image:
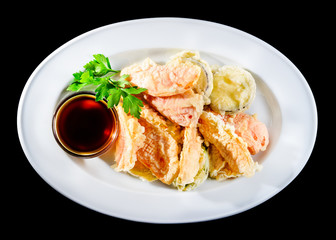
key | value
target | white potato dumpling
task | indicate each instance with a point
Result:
(234, 89)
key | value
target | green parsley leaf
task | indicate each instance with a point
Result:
(134, 90)
(87, 77)
(77, 75)
(100, 66)
(114, 97)
(132, 104)
(99, 72)
(76, 86)
(122, 82)
(102, 91)
(103, 61)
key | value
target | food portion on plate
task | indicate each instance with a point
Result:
(180, 122)
(234, 89)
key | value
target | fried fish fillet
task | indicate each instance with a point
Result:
(183, 109)
(163, 80)
(190, 157)
(218, 167)
(141, 171)
(130, 139)
(252, 131)
(231, 147)
(160, 150)
(204, 85)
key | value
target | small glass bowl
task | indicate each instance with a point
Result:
(66, 146)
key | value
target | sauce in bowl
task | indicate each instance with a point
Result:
(84, 127)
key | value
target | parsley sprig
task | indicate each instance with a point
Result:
(99, 72)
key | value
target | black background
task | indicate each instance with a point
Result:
(32, 32)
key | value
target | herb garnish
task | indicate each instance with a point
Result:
(99, 72)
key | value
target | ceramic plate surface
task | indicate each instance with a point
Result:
(284, 102)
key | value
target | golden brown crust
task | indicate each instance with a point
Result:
(190, 156)
(218, 167)
(182, 109)
(231, 147)
(130, 139)
(163, 80)
(160, 150)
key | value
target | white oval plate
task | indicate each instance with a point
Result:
(284, 102)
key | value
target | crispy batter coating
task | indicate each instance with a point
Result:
(231, 147)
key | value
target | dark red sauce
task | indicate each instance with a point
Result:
(84, 125)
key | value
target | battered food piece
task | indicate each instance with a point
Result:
(252, 131)
(160, 150)
(204, 84)
(231, 147)
(249, 128)
(163, 80)
(148, 147)
(141, 171)
(130, 139)
(219, 168)
(183, 109)
(190, 157)
(180, 141)
(234, 89)
(201, 175)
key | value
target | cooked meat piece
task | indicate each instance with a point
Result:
(131, 137)
(190, 158)
(160, 150)
(163, 80)
(231, 147)
(183, 109)
(219, 168)
(252, 131)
